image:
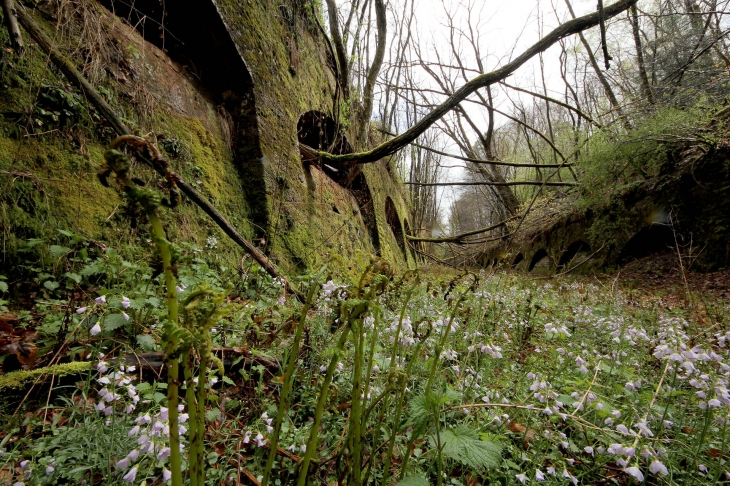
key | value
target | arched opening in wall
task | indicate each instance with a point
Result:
(540, 259)
(518, 259)
(572, 251)
(202, 45)
(652, 239)
(361, 192)
(391, 217)
(319, 131)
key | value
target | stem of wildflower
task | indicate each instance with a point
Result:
(288, 382)
(439, 457)
(312, 443)
(437, 353)
(708, 419)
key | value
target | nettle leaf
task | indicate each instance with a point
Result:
(413, 481)
(464, 445)
(212, 414)
(58, 251)
(73, 276)
(419, 410)
(146, 342)
(91, 269)
(115, 321)
(3, 286)
(228, 381)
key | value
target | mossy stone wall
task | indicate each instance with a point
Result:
(299, 215)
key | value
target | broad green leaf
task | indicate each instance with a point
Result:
(212, 414)
(146, 342)
(464, 445)
(51, 284)
(115, 321)
(3, 286)
(58, 251)
(73, 276)
(153, 301)
(91, 269)
(414, 481)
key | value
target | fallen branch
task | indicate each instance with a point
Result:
(458, 238)
(76, 78)
(492, 162)
(16, 40)
(392, 146)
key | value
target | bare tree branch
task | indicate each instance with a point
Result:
(391, 146)
(493, 162)
(372, 76)
(458, 238)
(487, 183)
(557, 102)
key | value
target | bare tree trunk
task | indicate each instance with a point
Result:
(367, 109)
(604, 82)
(646, 89)
(342, 61)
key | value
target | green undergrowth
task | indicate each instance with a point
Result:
(613, 164)
(416, 378)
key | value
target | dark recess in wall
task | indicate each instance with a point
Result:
(361, 192)
(195, 36)
(319, 131)
(651, 239)
(570, 253)
(541, 253)
(409, 243)
(517, 260)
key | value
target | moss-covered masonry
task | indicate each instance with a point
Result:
(689, 204)
(51, 141)
(313, 219)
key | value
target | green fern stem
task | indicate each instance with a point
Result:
(192, 413)
(172, 343)
(288, 382)
(197, 446)
(356, 410)
(321, 402)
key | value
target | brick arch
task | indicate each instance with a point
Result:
(317, 130)
(647, 241)
(537, 258)
(571, 252)
(518, 259)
